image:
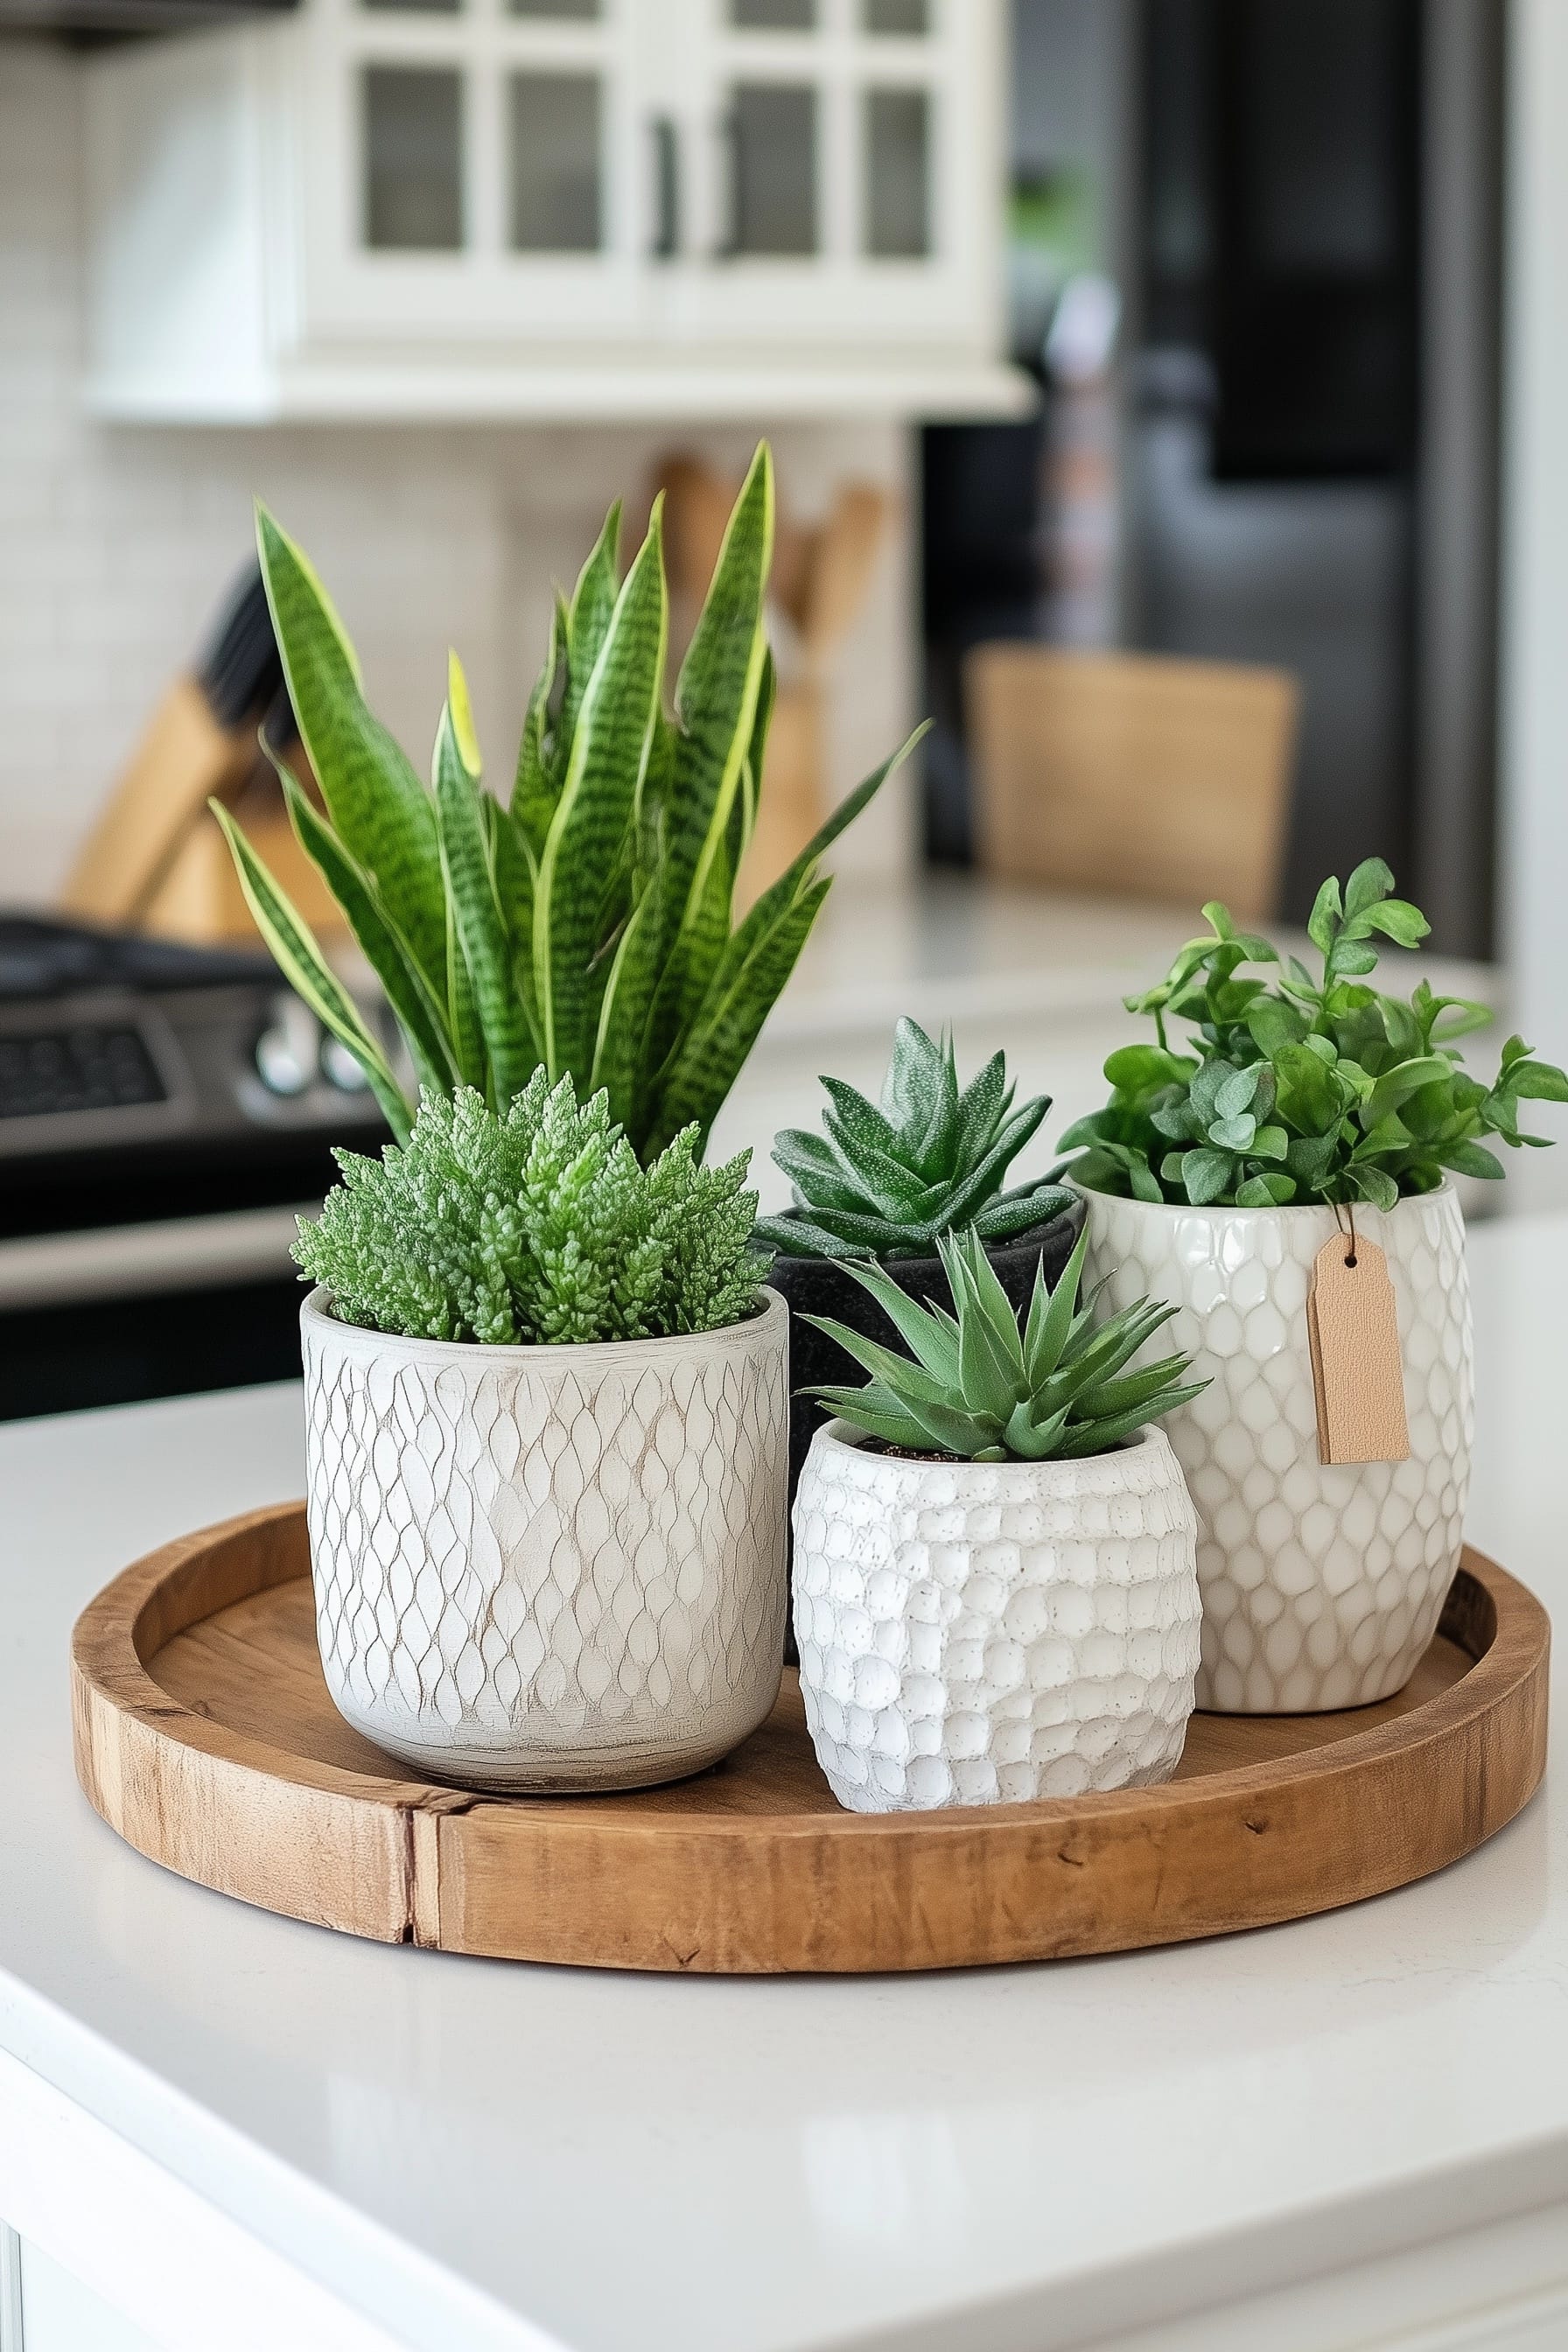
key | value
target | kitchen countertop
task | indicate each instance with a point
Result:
(485, 2155)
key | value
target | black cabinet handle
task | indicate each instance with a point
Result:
(666, 242)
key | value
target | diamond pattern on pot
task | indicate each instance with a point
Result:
(976, 1632)
(526, 1558)
(1322, 1586)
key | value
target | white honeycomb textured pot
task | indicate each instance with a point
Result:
(988, 1632)
(549, 1568)
(1322, 1586)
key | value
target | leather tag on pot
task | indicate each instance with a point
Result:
(1357, 1374)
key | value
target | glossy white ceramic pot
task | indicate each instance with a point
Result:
(549, 1568)
(1322, 1586)
(986, 1633)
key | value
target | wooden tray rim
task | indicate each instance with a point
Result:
(107, 1660)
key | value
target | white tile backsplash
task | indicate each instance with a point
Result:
(117, 544)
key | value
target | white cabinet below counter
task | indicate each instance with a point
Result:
(552, 208)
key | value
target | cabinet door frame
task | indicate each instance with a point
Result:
(842, 296)
(482, 292)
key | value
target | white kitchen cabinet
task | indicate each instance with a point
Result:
(552, 207)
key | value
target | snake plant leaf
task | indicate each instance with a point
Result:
(300, 959)
(742, 993)
(716, 698)
(598, 800)
(753, 968)
(422, 1020)
(589, 618)
(471, 892)
(463, 1013)
(377, 804)
(756, 758)
(533, 791)
(620, 1063)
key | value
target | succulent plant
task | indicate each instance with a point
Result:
(585, 926)
(533, 1224)
(978, 1387)
(1297, 1089)
(888, 1182)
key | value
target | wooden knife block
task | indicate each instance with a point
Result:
(157, 861)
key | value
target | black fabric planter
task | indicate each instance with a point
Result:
(815, 1286)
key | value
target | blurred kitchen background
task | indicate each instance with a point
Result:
(1167, 397)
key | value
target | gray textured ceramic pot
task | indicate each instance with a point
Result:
(549, 1568)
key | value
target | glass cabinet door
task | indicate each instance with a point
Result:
(471, 171)
(824, 146)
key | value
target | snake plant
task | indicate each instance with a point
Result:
(887, 1183)
(586, 927)
(978, 1387)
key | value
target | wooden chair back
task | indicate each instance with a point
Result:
(1138, 776)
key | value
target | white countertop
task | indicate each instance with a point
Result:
(485, 2156)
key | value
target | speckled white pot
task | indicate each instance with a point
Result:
(1322, 1587)
(986, 1633)
(549, 1568)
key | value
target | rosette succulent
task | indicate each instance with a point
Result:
(977, 1386)
(888, 1183)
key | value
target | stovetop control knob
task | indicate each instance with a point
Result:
(339, 1068)
(288, 1052)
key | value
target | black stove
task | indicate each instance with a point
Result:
(170, 1096)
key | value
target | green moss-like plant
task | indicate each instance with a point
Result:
(535, 1223)
(1300, 1090)
(587, 927)
(978, 1387)
(886, 1182)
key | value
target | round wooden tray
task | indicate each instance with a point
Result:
(205, 1736)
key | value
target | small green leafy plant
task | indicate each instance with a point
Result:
(587, 927)
(534, 1223)
(1304, 1089)
(978, 1387)
(887, 1183)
